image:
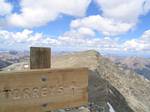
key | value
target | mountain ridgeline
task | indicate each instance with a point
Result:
(138, 64)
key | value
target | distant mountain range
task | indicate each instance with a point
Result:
(138, 64)
(10, 57)
(4, 64)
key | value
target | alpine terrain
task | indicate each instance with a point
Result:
(111, 89)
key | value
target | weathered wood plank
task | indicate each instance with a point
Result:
(43, 90)
(40, 57)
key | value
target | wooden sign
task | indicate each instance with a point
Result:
(40, 57)
(43, 90)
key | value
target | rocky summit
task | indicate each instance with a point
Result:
(111, 89)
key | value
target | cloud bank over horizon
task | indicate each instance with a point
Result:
(75, 39)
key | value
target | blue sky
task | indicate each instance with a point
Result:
(109, 26)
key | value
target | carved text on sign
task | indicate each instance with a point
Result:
(38, 92)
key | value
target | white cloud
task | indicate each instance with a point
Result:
(40, 13)
(5, 8)
(124, 10)
(147, 6)
(69, 39)
(82, 32)
(108, 27)
(26, 37)
(75, 39)
(146, 36)
(140, 44)
(118, 16)
(86, 31)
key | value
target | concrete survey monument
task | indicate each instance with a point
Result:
(42, 90)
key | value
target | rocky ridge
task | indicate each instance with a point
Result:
(137, 64)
